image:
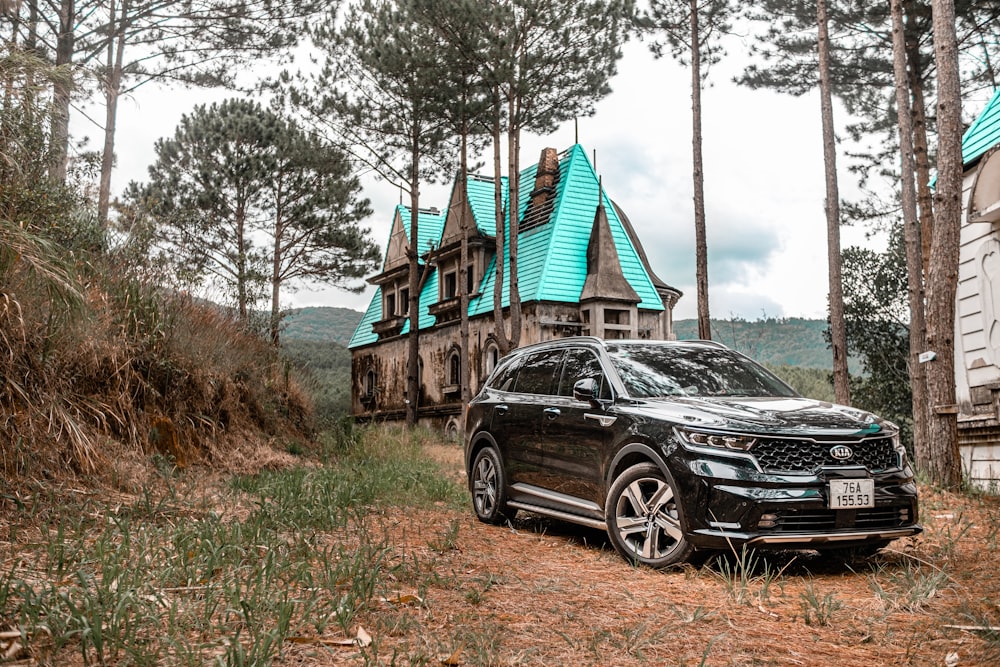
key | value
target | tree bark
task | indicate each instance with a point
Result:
(62, 88)
(413, 253)
(698, 173)
(499, 328)
(911, 230)
(465, 377)
(116, 56)
(279, 232)
(513, 211)
(940, 459)
(838, 330)
(921, 154)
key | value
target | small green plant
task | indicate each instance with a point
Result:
(746, 576)
(910, 587)
(448, 540)
(818, 610)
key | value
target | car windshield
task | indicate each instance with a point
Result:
(649, 371)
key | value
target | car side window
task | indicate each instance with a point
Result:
(504, 380)
(538, 373)
(580, 365)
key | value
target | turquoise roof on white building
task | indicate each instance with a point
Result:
(984, 134)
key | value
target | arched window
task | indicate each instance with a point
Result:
(454, 368)
(491, 356)
(370, 383)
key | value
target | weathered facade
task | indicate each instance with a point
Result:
(977, 340)
(581, 270)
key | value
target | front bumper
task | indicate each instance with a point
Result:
(729, 502)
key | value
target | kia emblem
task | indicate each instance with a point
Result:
(841, 452)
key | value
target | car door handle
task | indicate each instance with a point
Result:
(551, 413)
(501, 408)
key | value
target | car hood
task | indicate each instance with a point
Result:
(790, 415)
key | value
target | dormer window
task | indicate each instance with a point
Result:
(449, 285)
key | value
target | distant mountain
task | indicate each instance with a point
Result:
(776, 342)
(324, 324)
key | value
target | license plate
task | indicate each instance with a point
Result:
(852, 493)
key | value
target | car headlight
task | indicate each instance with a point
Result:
(740, 443)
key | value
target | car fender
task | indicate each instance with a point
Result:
(476, 442)
(633, 453)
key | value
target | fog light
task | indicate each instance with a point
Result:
(904, 514)
(767, 521)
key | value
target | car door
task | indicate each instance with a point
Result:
(575, 434)
(518, 418)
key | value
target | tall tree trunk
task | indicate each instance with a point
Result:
(465, 377)
(499, 328)
(838, 330)
(940, 458)
(242, 277)
(62, 88)
(413, 253)
(514, 211)
(700, 236)
(921, 154)
(911, 230)
(116, 56)
(279, 232)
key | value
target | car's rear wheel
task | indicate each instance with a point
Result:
(488, 485)
(645, 522)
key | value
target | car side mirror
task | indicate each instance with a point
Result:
(586, 390)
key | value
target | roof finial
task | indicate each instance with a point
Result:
(595, 159)
(576, 130)
(401, 194)
(600, 191)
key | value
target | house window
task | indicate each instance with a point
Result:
(404, 302)
(390, 305)
(449, 286)
(470, 279)
(491, 355)
(370, 383)
(454, 368)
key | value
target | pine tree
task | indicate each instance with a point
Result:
(380, 93)
(691, 29)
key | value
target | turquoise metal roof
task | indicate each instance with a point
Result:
(429, 227)
(552, 257)
(984, 134)
(482, 200)
(364, 335)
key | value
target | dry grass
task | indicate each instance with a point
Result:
(452, 591)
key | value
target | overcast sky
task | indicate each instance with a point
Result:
(764, 182)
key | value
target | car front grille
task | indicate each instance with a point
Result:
(788, 455)
(824, 520)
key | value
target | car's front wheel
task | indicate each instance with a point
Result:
(489, 487)
(643, 517)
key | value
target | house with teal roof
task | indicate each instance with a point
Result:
(581, 270)
(977, 343)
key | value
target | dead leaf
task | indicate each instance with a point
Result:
(455, 658)
(404, 599)
(361, 640)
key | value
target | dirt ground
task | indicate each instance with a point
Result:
(547, 593)
(456, 592)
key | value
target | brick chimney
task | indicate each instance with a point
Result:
(545, 176)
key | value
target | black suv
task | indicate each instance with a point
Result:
(673, 447)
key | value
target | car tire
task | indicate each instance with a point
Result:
(488, 485)
(645, 521)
